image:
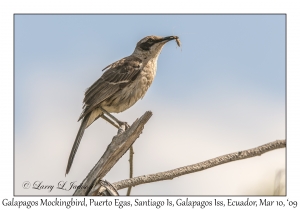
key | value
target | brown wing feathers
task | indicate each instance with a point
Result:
(113, 79)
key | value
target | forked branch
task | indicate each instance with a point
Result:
(93, 185)
(115, 150)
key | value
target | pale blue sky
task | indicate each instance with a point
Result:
(220, 53)
(228, 76)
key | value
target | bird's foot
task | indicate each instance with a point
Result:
(123, 126)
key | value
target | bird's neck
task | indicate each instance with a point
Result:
(146, 56)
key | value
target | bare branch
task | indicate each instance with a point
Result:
(130, 169)
(115, 150)
(167, 175)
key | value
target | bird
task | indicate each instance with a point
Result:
(121, 85)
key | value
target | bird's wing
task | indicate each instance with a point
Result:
(116, 77)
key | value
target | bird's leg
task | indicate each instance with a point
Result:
(121, 128)
(120, 123)
(110, 121)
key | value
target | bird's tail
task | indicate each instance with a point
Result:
(77, 141)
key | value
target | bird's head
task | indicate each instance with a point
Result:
(151, 46)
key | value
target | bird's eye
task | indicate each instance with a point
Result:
(150, 40)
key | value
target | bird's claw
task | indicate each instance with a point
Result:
(123, 126)
(126, 125)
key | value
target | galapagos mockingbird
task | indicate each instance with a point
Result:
(122, 84)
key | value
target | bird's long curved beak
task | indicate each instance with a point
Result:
(168, 38)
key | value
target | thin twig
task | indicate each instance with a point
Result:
(167, 175)
(130, 168)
